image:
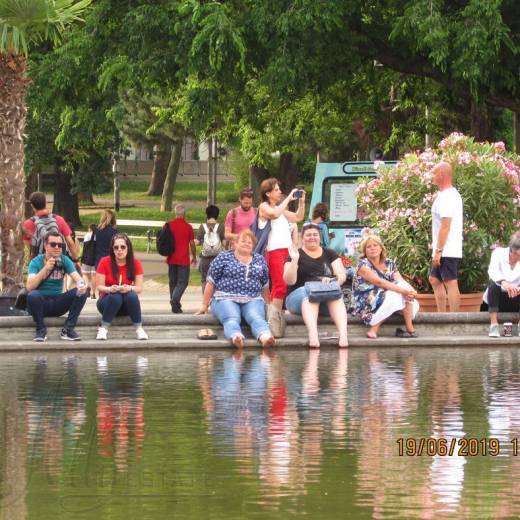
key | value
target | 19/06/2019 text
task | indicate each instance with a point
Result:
(463, 447)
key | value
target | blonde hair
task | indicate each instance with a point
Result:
(108, 218)
(362, 247)
(247, 233)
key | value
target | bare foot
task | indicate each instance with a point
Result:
(371, 335)
(267, 340)
(238, 341)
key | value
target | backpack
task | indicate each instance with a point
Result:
(43, 225)
(89, 250)
(261, 234)
(212, 244)
(165, 241)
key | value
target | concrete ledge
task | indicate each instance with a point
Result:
(179, 331)
(194, 344)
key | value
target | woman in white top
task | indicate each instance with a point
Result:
(274, 208)
(503, 291)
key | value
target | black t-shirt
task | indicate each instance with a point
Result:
(313, 269)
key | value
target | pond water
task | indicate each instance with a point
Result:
(289, 434)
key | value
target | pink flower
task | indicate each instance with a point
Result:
(499, 146)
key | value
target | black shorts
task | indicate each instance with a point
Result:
(447, 270)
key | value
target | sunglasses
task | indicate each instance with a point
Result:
(54, 244)
(122, 248)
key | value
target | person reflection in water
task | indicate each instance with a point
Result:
(272, 426)
(53, 425)
(119, 411)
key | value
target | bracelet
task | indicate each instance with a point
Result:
(75, 260)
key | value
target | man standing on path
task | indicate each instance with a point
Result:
(446, 239)
(43, 222)
(179, 261)
(240, 218)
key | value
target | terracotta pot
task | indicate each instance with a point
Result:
(468, 302)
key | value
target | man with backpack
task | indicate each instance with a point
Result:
(44, 222)
(179, 260)
(211, 236)
(240, 218)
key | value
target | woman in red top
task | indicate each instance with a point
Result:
(119, 280)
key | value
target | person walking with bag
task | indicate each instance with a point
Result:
(273, 211)
(211, 236)
(303, 269)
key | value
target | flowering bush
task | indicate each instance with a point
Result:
(398, 203)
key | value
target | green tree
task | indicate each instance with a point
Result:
(20, 25)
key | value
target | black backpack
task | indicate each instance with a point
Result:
(165, 241)
(89, 251)
(43, 225)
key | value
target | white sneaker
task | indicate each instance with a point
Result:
(102, 333)
(140, 333)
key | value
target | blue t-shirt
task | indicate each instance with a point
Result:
(53, 285)
(233, 277)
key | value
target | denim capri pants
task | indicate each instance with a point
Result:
(294, 301)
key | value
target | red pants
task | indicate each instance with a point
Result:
(276, 262)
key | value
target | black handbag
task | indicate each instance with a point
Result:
(319, 292)
(21, 300)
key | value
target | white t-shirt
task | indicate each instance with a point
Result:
(280, 235)
(500, 269)
(448, 204)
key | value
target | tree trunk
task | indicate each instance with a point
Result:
(211, 198)
(171, 176)
(65, 203)
(161, 160)
(516, 131)
(257, 175)
(13, 87)
(288, 171)
(480, 121)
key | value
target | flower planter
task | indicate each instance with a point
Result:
(468, 302)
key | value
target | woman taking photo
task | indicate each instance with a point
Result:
(314, 263)
(236, 286)
(119, 280)
(378, 290)
(274, 209)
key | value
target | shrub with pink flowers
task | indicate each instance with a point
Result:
(398, 204)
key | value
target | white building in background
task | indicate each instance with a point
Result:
(194, 162)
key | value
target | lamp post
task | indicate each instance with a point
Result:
(117, 183)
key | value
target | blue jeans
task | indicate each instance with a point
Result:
(40, 306)
(294, 301)
(230, 314)
(117, 304)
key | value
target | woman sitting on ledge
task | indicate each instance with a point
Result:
(309, 264)
(378, 290)
(237, 285)
(503, 291)
(119, 280)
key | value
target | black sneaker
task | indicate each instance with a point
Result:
(69, 335)
(40, 335)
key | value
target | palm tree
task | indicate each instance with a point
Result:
(22, 22)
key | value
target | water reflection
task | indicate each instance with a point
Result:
(258, 434)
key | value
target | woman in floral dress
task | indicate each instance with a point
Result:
(378, 290)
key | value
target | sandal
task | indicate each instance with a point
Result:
(400, 333)
(206, 334)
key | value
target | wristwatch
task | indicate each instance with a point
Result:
(438, 250)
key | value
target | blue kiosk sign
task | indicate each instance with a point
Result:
(335, 185)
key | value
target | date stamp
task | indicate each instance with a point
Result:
(463, 447)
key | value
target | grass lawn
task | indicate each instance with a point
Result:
(184, 191)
